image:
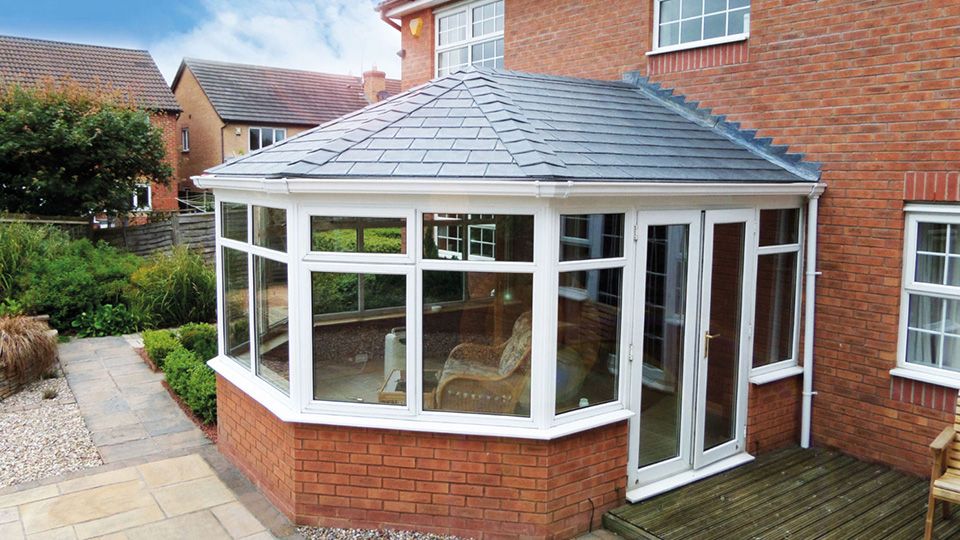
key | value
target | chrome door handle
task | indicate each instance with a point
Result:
(707, 336)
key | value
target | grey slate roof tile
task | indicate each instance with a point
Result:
(481, 123)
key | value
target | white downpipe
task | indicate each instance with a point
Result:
(808, 317)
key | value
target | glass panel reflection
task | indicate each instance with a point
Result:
(271, 314)
(775, 308)
(270, 228)
(591, 236)
(233, 221)
(358, 235)
(478, 237)
(236, 307)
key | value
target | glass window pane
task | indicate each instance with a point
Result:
(735, 22)
(925, 313)
(236, 307)
(691, 8)
(954, 239)
(714, 26)
(779, 227)
(451, 61)
(358, 235)
(669, 11)
(775, 308)
(359, 337)
(932, 237)
(953, 272)
(271, 316)
(478, 347)
(491, 237)
(254, 139)
(266, 137)
(669, 34)
(930, 269)
(739, 3)
(713, 6)
(591, 236)
(951, 353)
(270, 228)
(588, 339)
(452, 28)
(922, 348)
(279, 135)
(690, 30)
(233, 221)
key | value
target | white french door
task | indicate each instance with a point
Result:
(689, 380)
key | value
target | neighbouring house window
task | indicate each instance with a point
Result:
(471, 34)
(185, 139)
(142, 197)
(589, 310)
(930, 314)
(262, 137)
(778, 289)
(478, 237)
(690, 22)
(255, 326)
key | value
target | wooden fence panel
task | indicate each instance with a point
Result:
(196, 231)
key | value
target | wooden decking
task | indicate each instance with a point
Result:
(793, 493)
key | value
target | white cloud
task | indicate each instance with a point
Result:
(333, 36)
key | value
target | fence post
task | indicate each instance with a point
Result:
(175, 237)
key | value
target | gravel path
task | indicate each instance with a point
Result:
(43, 437)
(321, 533)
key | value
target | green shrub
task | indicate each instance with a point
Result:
(80, 278)
(20, 244)
(201, 394)
(159, 344)
(174, 288)
(200, 339)
(106, 320)
(177, 367)
(10, 307)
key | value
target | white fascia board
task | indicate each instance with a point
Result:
(504, 187)
(412, 7)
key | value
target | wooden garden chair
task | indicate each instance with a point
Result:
(945, 476)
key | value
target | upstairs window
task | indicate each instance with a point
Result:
(185, 139)
(683, 24)
(262, 137)
(471, 34)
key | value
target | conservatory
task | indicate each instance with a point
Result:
(502, 295)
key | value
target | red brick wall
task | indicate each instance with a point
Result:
(481, 487)
(417, 64)
(164, 197)
(860, 87)
(773, 415)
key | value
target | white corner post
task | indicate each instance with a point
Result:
(813, 201)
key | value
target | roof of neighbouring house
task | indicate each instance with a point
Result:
(29, 61)
(248, 93)
(491, 124)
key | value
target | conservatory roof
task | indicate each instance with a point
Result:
(492, 124)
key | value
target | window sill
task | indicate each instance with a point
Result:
(280, 406)
(699, 44)
(946, 381)
(776, 375)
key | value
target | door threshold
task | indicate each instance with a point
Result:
(686, 477)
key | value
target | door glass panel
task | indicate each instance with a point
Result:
(723, 349)
(663, 338)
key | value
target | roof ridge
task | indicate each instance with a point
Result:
(518, 135)
(192, 59)
(72, 43)
(763, 147)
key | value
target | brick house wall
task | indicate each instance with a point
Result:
(857, 86)
(472, 486)
(163, 198)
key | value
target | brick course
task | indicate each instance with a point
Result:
(481, 487)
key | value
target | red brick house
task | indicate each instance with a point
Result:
(764, 261)
(28, 61)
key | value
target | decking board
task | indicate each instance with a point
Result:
(793, 493)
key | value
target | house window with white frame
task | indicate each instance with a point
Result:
(142, 197)
(778, 291)
(471, 34)
(689, 23)
(930, 310)
(262, 137)
(185, 139)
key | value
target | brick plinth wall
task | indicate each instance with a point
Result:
(473, 486)
(773, 415)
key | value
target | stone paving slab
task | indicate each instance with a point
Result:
(125, 407)
(180, 497)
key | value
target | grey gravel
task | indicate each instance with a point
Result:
(323, 533)
(43, 437)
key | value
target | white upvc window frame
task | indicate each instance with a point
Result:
(136, 204)
(185, 140)
(276, 130)
(466, 7)
(730, 38)
(789, 366)
(260, 388)
(914, 215)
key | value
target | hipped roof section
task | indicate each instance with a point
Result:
(503, 125)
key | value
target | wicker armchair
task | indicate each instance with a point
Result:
(487, 379)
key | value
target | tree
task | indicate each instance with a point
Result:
(73, 152)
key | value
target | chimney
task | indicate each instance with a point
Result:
(374, 84)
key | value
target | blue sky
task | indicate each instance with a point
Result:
(338, 36)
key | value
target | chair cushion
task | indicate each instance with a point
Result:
(517, 346)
